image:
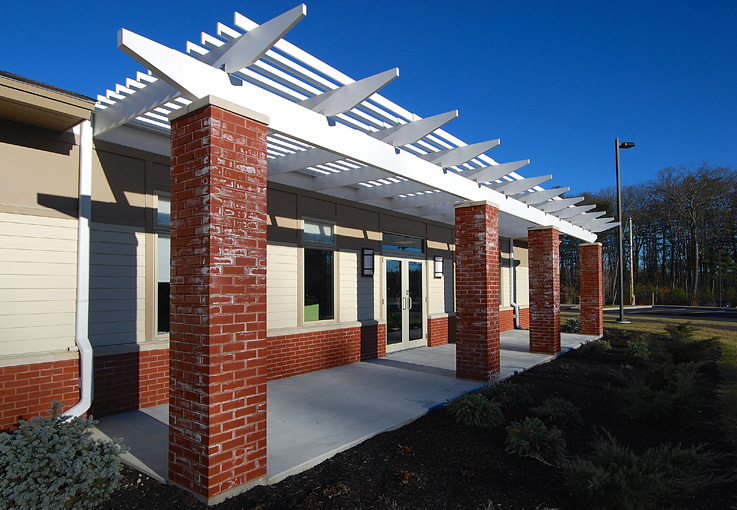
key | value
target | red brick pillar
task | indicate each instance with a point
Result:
(544, 255)
(592, 290)
(477, 290)
(217, 357)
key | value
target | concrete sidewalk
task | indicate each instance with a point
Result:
(311, 417)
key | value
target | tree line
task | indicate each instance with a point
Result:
(684, 239)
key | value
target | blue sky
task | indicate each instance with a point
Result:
(556, 81)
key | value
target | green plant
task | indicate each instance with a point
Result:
(558, 411)
(507, 394)
(476, 410)
(668, 391)
(596, 346)
(638, 349)
(531, 438)
(54, 463)
(571, 326)
(613, 477)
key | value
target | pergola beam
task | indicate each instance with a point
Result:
(518, 186)
(348, 96)
(403, 134)
(459, 155)
(572, 212)
(494, 172)
(558, 205)
(538, 197)
(251, 46)
(300, 160)
(347, 178)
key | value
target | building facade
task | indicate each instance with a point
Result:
(172, 243)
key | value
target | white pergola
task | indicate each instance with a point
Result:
(333, 135)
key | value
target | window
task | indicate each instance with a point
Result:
(319, 271)
(162, 263)
(402, 243)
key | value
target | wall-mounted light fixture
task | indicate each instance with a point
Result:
(367, 262)
(438, 267)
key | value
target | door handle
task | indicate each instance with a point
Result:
(409, 301)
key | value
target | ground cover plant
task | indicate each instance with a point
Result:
(601, 457)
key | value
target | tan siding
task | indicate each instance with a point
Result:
(37, 283)
(281, 286)
(435, 289)
(523, 283)
(349, 285)
(117, 285)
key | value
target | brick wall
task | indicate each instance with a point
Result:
(477, 291)
(544, 276)
(441, 330)
(373, 341)
(506, 319)
(291, 355)
(130, 381)
(218, 347)
(592, 290)
(28, 390)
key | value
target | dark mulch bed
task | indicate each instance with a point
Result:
(435, 463)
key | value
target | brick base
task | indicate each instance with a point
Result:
(300, 353)
(131, 381)
(441, 331)
(28, 390)
(373, 341)
(506, 319)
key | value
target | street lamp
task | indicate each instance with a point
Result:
(617, 146)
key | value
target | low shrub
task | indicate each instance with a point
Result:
(613, 477)
(596, 346)
(507, 394)
(476, 410)
(55, 463)
(532, 438)
(667, 391)
(638, 349)
(571, 326)
(558, 411)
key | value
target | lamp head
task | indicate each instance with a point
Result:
(626, 145)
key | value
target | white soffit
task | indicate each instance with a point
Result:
(356, 144)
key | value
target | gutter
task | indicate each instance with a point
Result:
(81, 336)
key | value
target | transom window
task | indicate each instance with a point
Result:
(402, 243)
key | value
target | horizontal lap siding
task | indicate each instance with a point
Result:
(281, 286)
(117, 285)
(38, 257)
(348, 285)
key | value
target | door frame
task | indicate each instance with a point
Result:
(405, 259)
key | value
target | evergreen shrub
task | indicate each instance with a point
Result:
(54, 463)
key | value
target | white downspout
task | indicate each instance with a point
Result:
(514, 284)
(83, 272)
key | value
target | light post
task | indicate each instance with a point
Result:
(617, 146)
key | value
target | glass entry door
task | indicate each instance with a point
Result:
(405, 304)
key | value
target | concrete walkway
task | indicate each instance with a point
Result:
(312, 417)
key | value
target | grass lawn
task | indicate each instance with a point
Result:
(704, 329)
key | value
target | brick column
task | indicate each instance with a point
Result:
(544, 254)
(592, 290)
(218, 358)
(477, 290)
